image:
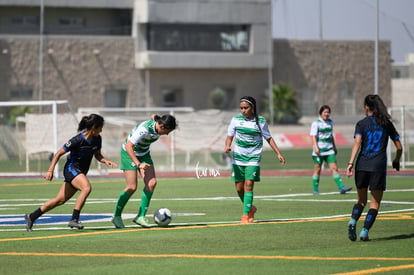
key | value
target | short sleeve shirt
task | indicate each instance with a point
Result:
(373, 152)
(248, 139)
(142, 136)
(81, 151)
(323, 131)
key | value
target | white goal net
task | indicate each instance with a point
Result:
(31, 131)
(403, 118)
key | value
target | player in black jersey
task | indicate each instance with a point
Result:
(371, 140)
(82, 148)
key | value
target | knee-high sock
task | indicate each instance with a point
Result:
(315, 183)
(370, 218)
(338, 180)
(357, 211)
(145, 202)
(36, 214)
(247, 202)
(122, 201)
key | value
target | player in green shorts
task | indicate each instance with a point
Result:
(324, 150)
(248, 130)
(136, 160)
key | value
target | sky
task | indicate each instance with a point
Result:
(347, 20)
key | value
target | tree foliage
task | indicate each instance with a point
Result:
(285, 106)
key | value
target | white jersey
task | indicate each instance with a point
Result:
(323, 130)
(142, 136)
(248, 139)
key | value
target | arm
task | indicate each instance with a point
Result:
(398, 154)
(55, 159)
(100, 158)
(334, 145)
(273, 145)
(315, 145)
(355, 149)
(129, 147)
(227, 146)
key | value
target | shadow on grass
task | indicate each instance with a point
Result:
(397, 237)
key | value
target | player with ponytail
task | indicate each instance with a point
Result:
(136, 160)
(248, 130)
(82, 147)
(371, 140)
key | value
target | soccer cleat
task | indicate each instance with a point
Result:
(352, 231)
(117, 221)
(75, 224)
(29, 222)
(344, 189)
(363, 236)
(244, 219)
(315, 192)
(252, 211)
(141, 221)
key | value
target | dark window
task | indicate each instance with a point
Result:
(197, 37)
(21, 92)
(115, 97)
(171, 96)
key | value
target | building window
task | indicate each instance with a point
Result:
(71, 21)
(25, 20)
(21, 92)
(198, 37)
(115, 97)
(309, 106)
(346, 98)
(171, 96)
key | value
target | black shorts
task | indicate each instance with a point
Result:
(70, 172)
(373, 180)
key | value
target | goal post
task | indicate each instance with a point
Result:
(42, 129)
(403, 119)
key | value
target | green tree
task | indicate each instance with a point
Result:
(285, 105)
(14, 112)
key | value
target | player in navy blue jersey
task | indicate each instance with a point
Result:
(371, 140)
(82, 147)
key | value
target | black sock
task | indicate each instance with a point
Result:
(370, 218)
(357, 211)
(75, 215)
(35, 214)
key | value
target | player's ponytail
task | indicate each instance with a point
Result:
(378, 108)
(91, 121)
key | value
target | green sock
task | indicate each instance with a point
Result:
(315, 183)
(122, 201)
(145, 202)
(338, 180)
(247, 202)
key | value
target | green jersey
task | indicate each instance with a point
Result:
(248, 139)
(323, 130)
(142, 136)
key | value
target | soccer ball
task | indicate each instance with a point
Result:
(162, 216)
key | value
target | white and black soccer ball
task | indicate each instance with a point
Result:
(162, 216)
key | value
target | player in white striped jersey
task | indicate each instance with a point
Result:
(324, 150)
(136, 160)
(248, 130)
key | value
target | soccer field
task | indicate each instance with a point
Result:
(294, 233)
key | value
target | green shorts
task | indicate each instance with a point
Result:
(127, 164)
(321, 159)
(242, 173)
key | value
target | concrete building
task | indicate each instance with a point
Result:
(403, 82)
(202, 54)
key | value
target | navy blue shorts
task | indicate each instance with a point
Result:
(373, 180)
(70, 172)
